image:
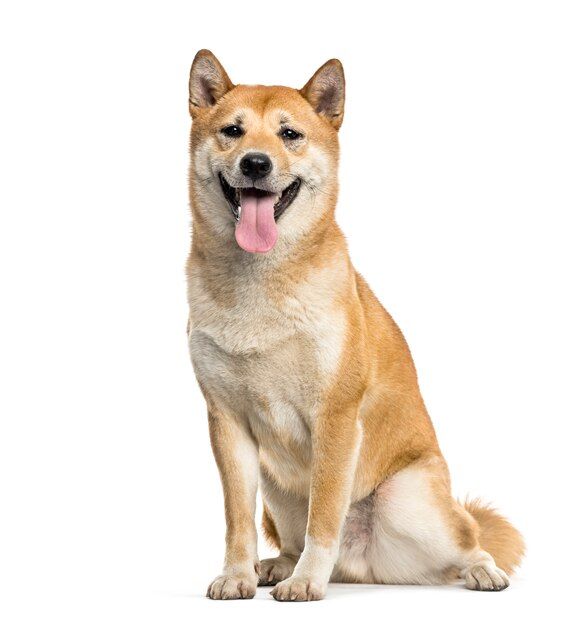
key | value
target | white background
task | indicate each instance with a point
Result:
(460, 199)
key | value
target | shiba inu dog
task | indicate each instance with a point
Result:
(311, 390)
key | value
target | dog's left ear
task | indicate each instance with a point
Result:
(208, 81)
(326, 92)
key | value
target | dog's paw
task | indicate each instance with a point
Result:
(232, 588)
(486, 577)
(295, 589)
(272, 571)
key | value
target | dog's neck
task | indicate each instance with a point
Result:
(219, 254)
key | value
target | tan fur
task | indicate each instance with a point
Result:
(269, 528)
(306, 375)
(497, 535)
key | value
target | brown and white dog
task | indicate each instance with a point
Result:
(310, 386)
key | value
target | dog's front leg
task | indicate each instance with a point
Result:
(237, 459)
(336, 440)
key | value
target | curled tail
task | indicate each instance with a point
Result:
(497, 535)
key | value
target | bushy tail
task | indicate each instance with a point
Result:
(497, 536)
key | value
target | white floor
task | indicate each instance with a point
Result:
(527, 600)
(344, 604)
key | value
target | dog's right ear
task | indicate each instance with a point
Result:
(208, 81)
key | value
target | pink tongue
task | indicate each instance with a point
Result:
(256, 231)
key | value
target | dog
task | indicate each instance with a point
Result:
(310, 386)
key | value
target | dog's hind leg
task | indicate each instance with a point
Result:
(418, 534)
(284, 523)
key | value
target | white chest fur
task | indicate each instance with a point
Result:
(268, 359)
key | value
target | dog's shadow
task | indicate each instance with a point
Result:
(336, 591)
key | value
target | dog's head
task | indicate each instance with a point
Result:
(264, 159)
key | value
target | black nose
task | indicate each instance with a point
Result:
(255, 165)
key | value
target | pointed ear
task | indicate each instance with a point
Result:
(208, 81)
(326, 92)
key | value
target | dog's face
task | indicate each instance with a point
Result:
(264, 159)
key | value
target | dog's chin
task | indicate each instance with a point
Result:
(234, 196)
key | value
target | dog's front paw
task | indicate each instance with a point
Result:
(232, 588)
(297, 589)
(272, 571)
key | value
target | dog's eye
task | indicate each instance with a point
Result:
(232, 131)
(289, 133)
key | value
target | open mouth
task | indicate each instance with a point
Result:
(235, 197)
